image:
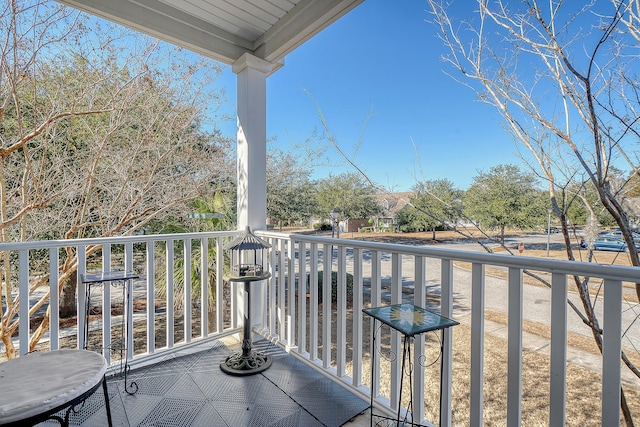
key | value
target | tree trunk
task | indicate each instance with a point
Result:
(68, 306)
(42, 328)
(626, 412)
(10, 350)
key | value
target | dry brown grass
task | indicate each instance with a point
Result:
(583, 394)
(583, 390)
(583, 385)
(574, 340)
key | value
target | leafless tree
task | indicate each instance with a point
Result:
(102, 132)
(563, 76)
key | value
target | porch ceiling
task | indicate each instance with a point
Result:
(224, 29)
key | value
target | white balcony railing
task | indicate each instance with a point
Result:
(334, 337)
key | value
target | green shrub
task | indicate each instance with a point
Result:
(322, 226)
(334, 286)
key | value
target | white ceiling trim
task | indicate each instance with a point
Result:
(223, 29)
(305, 20)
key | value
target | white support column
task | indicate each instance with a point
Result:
(252, 141)
(252, 161)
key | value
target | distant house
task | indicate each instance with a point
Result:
(391, 204)
(354, 225)
(632, 206)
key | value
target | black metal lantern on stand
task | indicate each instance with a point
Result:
(335, 225)
(248, 254)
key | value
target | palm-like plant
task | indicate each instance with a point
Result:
(224, 219)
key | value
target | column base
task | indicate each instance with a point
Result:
(252, 363)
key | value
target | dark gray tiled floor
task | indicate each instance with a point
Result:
(191, 390)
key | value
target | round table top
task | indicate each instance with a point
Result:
(39, 382)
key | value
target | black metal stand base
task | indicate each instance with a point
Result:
(248, 361)
(133, 384)
(241, 364)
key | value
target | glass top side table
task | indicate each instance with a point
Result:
(410, 320)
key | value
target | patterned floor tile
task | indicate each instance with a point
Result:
(188, 389)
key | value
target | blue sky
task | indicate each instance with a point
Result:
(383, 60)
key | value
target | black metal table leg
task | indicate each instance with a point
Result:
(104, 279)
(106, 401)
(125, 325)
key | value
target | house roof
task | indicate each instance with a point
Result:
(393, 202)
(224, 29)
